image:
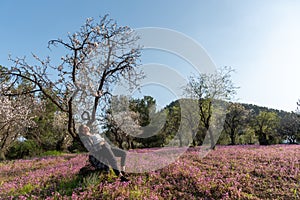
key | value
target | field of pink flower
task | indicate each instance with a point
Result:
(229, 172)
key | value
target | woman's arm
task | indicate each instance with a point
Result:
(97, 139)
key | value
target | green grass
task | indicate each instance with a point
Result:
(51, 153)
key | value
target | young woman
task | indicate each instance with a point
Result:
(99, 147)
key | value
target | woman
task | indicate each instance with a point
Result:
(97, 145)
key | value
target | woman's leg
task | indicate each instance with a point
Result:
(110, 156)
(120, 153)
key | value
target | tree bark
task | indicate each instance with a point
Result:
(212, 140)
(2, 155)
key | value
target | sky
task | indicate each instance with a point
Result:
(259, 39)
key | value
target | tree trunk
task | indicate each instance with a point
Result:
(194, 143)
(120, 142)
(263, 139)
(2, 155)
(180, 141)
(212, 140)
(232, 138)
(77, 145)
(193, 138)
(60, 145)
(132, 145)
(129, 142)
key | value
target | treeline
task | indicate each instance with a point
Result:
(136, 123)
(243, 124)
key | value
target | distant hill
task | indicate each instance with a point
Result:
(254, 108)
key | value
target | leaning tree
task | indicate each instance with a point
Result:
(97, 56)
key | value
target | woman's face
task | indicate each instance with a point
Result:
(85, 129)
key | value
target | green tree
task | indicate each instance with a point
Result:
(172, 124)
(290, 128)
(146, 107)
(235, 121)
(51, 131)
(265, 126)
(151, 121)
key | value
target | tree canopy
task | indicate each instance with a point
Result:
(98, 55)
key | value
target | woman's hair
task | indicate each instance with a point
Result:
(81, 127)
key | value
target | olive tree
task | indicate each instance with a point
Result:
(235, 121)
(290, 128)
(265, 125)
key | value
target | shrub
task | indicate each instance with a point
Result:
(23, 149)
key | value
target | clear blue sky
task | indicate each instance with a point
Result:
(259, 39)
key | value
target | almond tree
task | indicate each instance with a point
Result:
(97, 57)
(190, 121)
(207, 89)
(122, 124)
(16, 116)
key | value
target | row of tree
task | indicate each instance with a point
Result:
(265, 126)
(243, 124)
(136, 123)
